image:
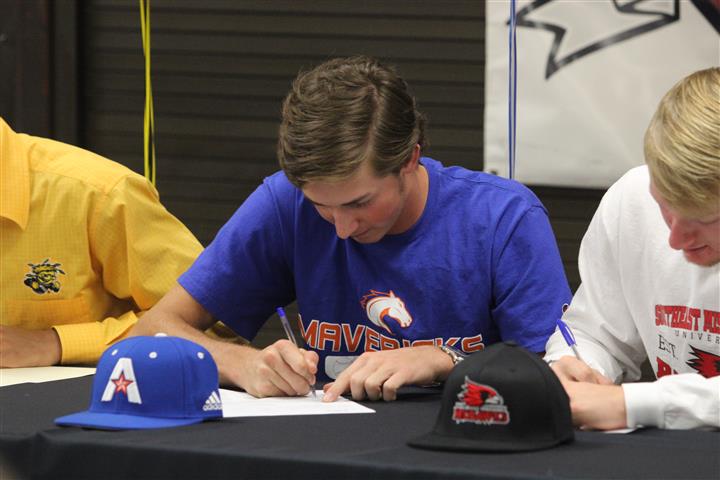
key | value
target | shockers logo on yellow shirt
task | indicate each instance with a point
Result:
(43, 277)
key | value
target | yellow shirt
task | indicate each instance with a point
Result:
(85, 244)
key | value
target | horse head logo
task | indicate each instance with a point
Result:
(382, 307)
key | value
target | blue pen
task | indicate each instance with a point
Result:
(291, 336)
(568, 335)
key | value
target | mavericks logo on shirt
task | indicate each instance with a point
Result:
(383, 308)
(43, 277)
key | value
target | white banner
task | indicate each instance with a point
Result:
(590, 75)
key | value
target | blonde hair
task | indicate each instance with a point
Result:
(682, 144)
(342, 113)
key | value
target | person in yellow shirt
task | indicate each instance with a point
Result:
(86, 247)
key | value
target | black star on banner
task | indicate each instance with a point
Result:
(658, 19)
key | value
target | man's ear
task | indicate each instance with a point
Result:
(413, 162)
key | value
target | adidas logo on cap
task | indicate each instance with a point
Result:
(213, 402)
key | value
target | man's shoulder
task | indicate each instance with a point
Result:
(629, 191)
(277, 190)
(61, 160)
(279, 184)
(483, 187)
(635, 178)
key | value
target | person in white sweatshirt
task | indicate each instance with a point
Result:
(650, 271)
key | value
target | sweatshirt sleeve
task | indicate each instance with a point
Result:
(599, 316)
(681, 401)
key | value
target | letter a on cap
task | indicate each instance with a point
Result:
(122, 379)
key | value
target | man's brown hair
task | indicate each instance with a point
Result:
(342, 113)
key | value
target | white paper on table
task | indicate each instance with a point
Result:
(11, 376)
(241, 404)
(621, 430)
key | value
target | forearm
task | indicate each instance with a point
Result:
(230, 358)
(606, 337)
(28, 348)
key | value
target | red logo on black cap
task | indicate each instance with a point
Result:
(480, 404)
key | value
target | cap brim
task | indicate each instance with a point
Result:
(114, 421)
(434, 441)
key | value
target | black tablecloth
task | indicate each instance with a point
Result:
(361, 446)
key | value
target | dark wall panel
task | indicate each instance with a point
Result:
(39, 67)
(222, 67)
(25, 64)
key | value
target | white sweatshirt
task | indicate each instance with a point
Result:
(641, 299)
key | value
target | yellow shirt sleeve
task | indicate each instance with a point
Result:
(83, 343)
(140, 249)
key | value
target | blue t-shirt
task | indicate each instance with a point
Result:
(480, 265)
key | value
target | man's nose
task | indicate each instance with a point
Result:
(682, 233)
(345, 224)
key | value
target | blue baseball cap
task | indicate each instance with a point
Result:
(151, 382)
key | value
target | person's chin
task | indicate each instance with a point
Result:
(703, 256)
(367, 237)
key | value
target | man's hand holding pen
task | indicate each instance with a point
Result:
(574, 369)
(571, 369)
(281, 369)
(595, 402)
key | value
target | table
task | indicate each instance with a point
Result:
(358, 446)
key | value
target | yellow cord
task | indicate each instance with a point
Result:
(149, 119)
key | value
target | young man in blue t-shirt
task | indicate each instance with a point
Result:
(398, 264)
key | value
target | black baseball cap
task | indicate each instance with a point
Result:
(501, 399)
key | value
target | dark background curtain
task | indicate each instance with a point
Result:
(74, 71)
